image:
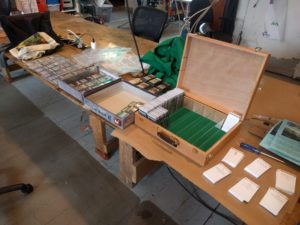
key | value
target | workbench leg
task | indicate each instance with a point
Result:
(4, 67)
(6, 74)
(103, 147)
(133, 166)
(126, 157)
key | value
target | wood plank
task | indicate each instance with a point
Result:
(133, 170)
(104, 147)
(225, 77)
(143, 167)
(6, 74)
(250, 213)
(275, 98)
(126, 159)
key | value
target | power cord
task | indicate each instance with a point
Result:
(133, 36)
(200, 200)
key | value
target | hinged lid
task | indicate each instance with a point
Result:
(221, 75)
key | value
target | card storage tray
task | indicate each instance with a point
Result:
(194, 128)
(218, 78)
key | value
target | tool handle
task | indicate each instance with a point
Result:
(249, 148)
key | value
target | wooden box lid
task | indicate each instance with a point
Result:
(221, 75)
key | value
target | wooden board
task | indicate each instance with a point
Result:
(133, 169)
(286, 104)
(277, 98)
(250, 213)
(103, 35)
(221, 75)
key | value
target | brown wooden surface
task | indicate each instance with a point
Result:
(103, 35)
(278, 98)
(250, 213)
(223, 76)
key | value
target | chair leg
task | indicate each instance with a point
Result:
(24, 188)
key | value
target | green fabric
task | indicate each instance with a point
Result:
(194, 128)
(165, 60)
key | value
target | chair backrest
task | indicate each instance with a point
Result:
(149, 23)
(5, 7)
(87, 7)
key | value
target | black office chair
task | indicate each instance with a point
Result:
(5, 9)
(149, 23)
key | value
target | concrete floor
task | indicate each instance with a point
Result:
(159, 187)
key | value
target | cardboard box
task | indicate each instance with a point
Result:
(86, 81)
(109, 102)
(218, 79)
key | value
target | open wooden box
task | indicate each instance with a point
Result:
(108, 102)
(218, 78)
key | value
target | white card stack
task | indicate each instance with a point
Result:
(244, 190)
(172, 100)
(273, 201)
(233, 157)
(285, 181)
(257, 167)
(217, 173)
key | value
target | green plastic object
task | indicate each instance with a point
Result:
(194, 128)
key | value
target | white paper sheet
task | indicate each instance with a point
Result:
(233, 157)
(257, 167)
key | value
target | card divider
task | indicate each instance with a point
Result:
(181, 121)
(205, 135)
(187, 133)
(178, 114)
(176, 126)
(212, 140)
(194, 128)
(206, 126)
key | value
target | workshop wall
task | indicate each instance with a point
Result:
(284, 45)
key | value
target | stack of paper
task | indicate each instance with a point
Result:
(285, 181)
(233, 157)
(217, 173)
(273, 201)
(244, 190)
(257, 167)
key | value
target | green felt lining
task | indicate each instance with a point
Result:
(194, 128)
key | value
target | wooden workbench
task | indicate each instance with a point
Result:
(103, 36)
(274, 98)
